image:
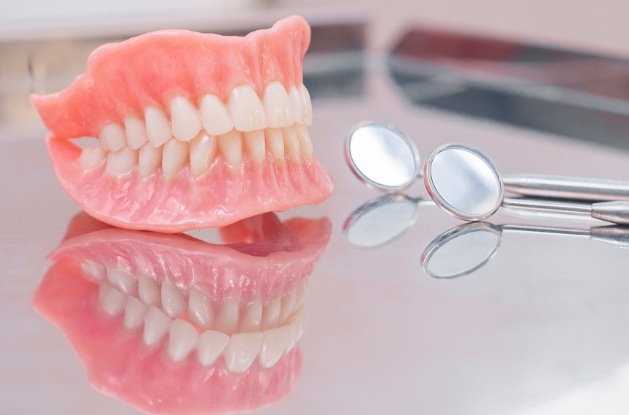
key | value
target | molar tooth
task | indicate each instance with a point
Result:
(182, 338)
(173, 300)
(298, 104)
(121, 161)
(246, 110)
(92, 157)
(275, 142)
(307, 105)
(185, 121)
(174, 157)
(157, 126)
(112, 137)
(122, 280)
(111, 300)
(254, 144)
(149, 159)
(242, 350)
(155, 326)
(211, 345)
(231, 148)
(305, 143)
(200, 309)
(291, 143)
(214, 116)
(202, 153)
(227, 316)
(134, 313)
(274, 345)
(136, 132)
(271, 314)
(148, 291)
(251, 319)
(277, 105)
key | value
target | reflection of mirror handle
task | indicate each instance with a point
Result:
(612, 235)
(614, 212)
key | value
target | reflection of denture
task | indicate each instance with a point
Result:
(194, 129)
(169, 323)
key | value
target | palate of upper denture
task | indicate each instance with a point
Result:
(192, 130)
(172, 324)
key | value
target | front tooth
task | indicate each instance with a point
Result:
(157, 126)
(288, 305)
(274, 345)
(291, 143)
(211, 345)
(92, 157)
(134, 313)
(174, 157)
(305, 143)
(214, 116)
(202, 153)
(251, 319)
(136, 132)
(121, 161)
(242, 350)
(271, 314)
(149, 159)
(111, 300)
(122, 280)
(112, 137)
(200, 309)
(173, 300)
(185, 121)
(298, 104)
(301, 293)
(277, 105)
(227, 316)
(254, 144)
(230, 145)
(148, 291)
(181, 340)
(307, 105)
(246, 110)
(156, 325)
(275, 142)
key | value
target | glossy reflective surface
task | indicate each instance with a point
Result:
(540, 329)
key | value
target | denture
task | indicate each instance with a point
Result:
(172, 324)
(193, 130)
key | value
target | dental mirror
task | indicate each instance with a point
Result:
(382, 157)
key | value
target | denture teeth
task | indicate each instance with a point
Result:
(112, 301)
(288, 305)
(174, 157)
(94, 270)
(210, 346)
(149, 291)
(274, 141)
(305, 143)
(182, 339)
(271, 313)
(275, 343)
(254, 144)
(228, 315)
(136, 132)
(134, 313)
(291, 143)
(173, 301)
(157, 126)
(298, 104)
(112, 137)
(242, 350)
(185, 120)
(93, 157)
(122, 280)
(121, 161)
(200, 309)
(230, 145)
(202, 153)
(307, 103)
(277, 105)
(214, 116)
(246, 110)
(251, 319)
(156, 325)
(149, 159)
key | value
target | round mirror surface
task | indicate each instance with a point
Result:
(464, 182)
(380, 221)
(461, 250)
(382, 156)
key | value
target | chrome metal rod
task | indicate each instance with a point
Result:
(566, 187)
(614, 212)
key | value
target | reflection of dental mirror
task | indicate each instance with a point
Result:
(382, 157)
(465, 183)
(462, 250)
(382, 220)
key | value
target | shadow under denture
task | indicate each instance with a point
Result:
(149, 333)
